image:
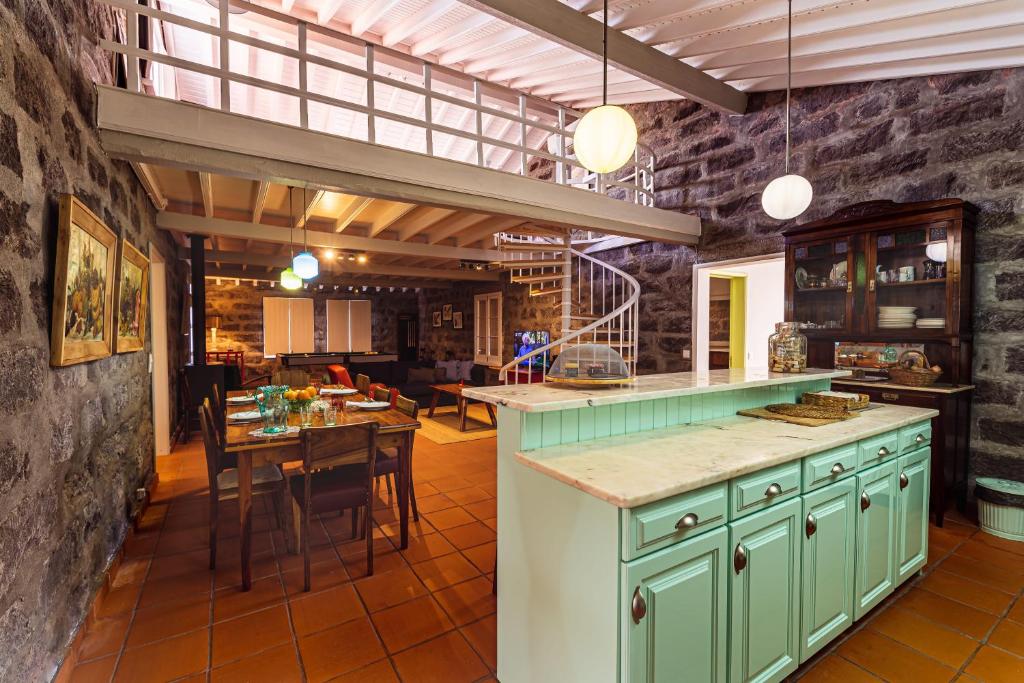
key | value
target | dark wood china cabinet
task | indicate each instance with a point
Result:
(893, 276)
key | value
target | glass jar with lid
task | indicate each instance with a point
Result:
(787, 349)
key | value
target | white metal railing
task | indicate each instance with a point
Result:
(531, 128)
(602, 296)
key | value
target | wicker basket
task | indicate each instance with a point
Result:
(909, 373)
(803, 410)
(825, 401)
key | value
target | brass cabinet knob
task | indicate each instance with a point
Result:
(883, 451)
(739, 558)
(919, 439)
(810, 525)
(865, 501)
(904, 480)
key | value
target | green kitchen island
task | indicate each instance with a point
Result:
(649, 534)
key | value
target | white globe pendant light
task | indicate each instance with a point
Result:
(789, 195)
(605, 137)
(304, 263)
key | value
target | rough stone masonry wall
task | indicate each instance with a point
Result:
(76, 442)
(958, 135)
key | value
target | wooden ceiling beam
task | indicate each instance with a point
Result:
(423, 218)
(206, 189)
(344, 280)
(388, 215)
(260, 202)
(454, 226)
(370, 15)
(151, 184)
(351, 209)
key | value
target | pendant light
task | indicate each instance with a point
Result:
(789, 195)
(305, 264)
(605, 137)
(289, 280)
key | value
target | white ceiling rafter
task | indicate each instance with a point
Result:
(415, 22)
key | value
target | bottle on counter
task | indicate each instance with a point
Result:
(787, 349)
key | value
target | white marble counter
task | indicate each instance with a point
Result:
(535, 398)
(934, 388)
(632, 470)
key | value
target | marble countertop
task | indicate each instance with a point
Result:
(536, 398)
(636, 469)
(935, 388)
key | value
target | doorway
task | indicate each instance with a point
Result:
(408, 338)
(158, 355)
(736, 304)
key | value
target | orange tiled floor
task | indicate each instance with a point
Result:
(428, 614)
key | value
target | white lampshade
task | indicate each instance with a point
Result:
(289, 280)
(305, 265)
(787, 197)
(605, 139)
(936, 252)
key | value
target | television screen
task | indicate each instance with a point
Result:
(525, 341)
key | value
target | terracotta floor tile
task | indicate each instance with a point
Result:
(1006, 579)
(444, 571)
(427, 547)
(450, 483)
(229, 573)
(447, 659)
(1017, 611)
(956, 615)
(339, 650)
(925, 636)
(172, 542)
(471, 494)
(1009, 635)
(891, 660)
(468, 601)
(291, 561)
(423, 527)
(119, 600)
(446, 519)
(990, 555)
(155, 592)
(381, 545)
(425, 489)
(993, 665)
(493, 523)
(482, 556)
(250, 634)
(322, 576)
(969, 592)
(388, 589)
(835, 669)
(279, 664)
(165, 660)
(378, 672)
(316, 612)
(141, 545)
(387, 561)
(169, 619)
(434, 503)
(96, 671)
(484, 509)
(104, 637)
(469, 535)
(234, 602)
(411, 623)
(130, 571)
(483, 636)
(1015, 547)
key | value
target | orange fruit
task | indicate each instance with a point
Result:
(290, 395)
(311, 390)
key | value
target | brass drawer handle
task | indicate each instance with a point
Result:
(739, 558)
(639, 606)
(904, 480)
(837, 469)
(687, 521)
(811, 525)
(865, 501)
(773, 490)
(919, 439)
(882, 452)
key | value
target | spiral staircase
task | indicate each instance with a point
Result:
(595, 302)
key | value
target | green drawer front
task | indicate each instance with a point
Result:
(828, 467)
(754, 491)
(915, 436)
(657, 525)
(877, 449)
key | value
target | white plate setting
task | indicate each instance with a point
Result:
(368, 405)
(340, 391)
(239, 400)
(245, 416)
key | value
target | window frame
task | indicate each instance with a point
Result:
(483, 353)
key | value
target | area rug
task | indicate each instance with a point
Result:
(444, 426)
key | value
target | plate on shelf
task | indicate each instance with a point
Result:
(800, 275)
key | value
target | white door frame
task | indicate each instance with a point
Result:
(698, 352)
(158, 357)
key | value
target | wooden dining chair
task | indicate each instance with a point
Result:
(338, 466)
(266, 479)
(387, 458)
(363, 385)
(219, 409)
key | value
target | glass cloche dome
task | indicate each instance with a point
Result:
(589, 364)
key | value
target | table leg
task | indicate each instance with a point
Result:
(433, 403)
(245, 515)
(463, 406)
(490, 413)
(404, 475)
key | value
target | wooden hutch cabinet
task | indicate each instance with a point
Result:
(894, 274)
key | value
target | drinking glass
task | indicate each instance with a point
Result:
(330, 415)
(306, 415)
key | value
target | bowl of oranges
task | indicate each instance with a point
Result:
(299, 397)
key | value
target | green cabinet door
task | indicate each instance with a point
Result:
(674, 612)
(876, 536)
(764, 599)
(827, 564)
(912, 513)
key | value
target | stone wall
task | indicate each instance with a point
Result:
(241, 309)
(958, 135)
(76, 441)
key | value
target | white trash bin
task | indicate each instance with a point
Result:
(1001, 507)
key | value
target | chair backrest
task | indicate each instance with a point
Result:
(219, 410)
(363, 384)
(211, 442)
(407, 406)
(382, 394)
(354, 444)
(339, 375)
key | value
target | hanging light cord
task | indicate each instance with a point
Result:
(291, 225)
(789, 74)
(604, 53)
(305, 231)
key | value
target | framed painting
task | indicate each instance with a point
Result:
(132, 298)
(83, 289)
(446, 312)
(437, 318)
(457, 320)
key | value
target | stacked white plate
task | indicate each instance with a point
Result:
(931, 323)
(896, 317)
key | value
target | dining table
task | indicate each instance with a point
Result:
(249, 445)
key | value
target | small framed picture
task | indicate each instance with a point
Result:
(446, 312)
(437, 318)
(457, 320)
(131, 299)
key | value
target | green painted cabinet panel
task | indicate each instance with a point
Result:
(674, 616)
(912, 513)
(827, 564)
(764, 598)
(876, 536)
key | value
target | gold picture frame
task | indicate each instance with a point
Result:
(83, 290)
(131, 298)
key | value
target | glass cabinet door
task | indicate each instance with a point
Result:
(908, 292)
(822, 283)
